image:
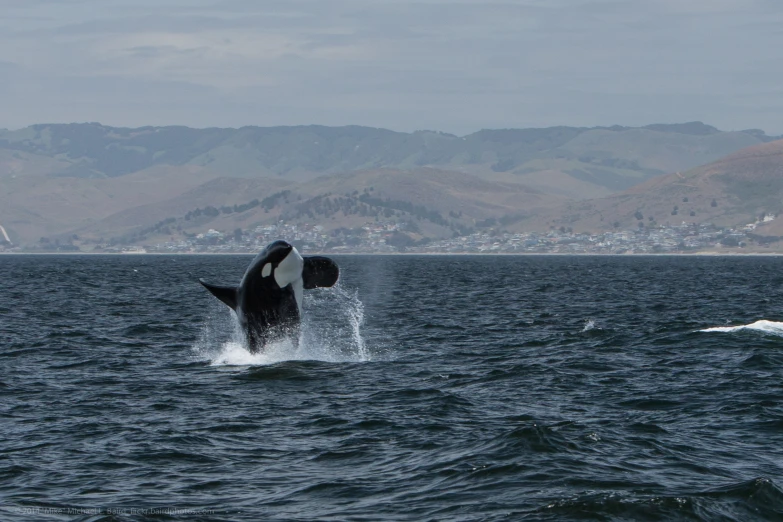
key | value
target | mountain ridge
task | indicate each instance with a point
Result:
(95, 150)
(65, 180)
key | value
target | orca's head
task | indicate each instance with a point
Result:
(282, 262)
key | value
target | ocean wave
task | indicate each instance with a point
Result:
(765, 326)
(756, 499)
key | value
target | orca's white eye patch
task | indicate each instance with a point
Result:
(289, 269)
(266, 270)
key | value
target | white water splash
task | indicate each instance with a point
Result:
(331, 331)
(356, 320)
(770, 327)
(589, 325)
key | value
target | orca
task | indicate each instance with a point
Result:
(268, 300)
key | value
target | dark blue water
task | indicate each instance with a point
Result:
(424, 388)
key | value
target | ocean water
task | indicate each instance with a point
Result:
(423, 388)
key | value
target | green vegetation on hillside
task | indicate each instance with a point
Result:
(317, 209)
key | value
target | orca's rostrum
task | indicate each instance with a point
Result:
(268, 300)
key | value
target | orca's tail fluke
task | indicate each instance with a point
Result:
(227, 294)
(319, 272)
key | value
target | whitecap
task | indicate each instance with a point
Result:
(770, 327)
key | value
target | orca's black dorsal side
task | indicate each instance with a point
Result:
(268, 300)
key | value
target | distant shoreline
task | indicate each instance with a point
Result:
(411, 254)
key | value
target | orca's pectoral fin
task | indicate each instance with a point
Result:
(227, 294)
(319, 272)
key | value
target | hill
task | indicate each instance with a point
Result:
(100, 182)
(743, 188)
(435, 203)
(613, 157)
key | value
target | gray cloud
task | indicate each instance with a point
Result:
(452, 66)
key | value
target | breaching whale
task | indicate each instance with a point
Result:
(268, 300)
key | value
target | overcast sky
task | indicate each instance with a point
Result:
(455, 66)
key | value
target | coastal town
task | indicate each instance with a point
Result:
(385, 237)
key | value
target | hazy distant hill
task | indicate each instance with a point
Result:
(106, 181)
(741, 188)
(441, 203)
(615, 157)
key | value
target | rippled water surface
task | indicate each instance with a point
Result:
(423, 388)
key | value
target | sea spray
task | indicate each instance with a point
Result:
(330, 331)
(220, 329)
(589, 325)
(332, 326)
(355, 310)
